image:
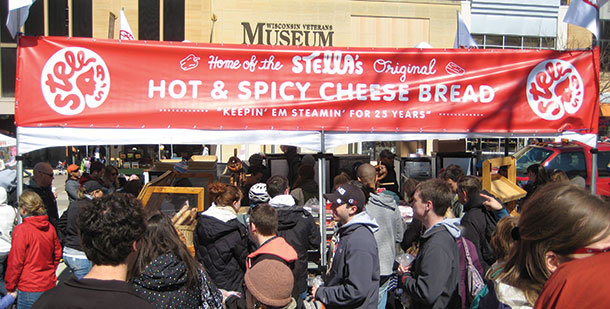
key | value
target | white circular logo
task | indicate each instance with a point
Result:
(74, 77)
(554, 88)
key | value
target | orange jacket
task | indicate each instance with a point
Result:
(276, 246)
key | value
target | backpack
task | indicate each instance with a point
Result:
(471, 272)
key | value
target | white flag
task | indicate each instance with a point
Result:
(125, 33)
(584, 13)
(463, 37)
(18, 11)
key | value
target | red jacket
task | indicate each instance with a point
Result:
(34, 256)
(580, 283)
(276, 246)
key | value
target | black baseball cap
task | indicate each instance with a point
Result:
(347, 194)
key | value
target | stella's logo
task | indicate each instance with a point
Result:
(554, 89)
(73, 78)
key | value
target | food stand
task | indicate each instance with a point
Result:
(97, 91)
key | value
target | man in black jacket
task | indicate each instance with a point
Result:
(478, 222)
(41, 184)
(297, 226)
(432, 280)
(353, 279)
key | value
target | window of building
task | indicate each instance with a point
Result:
(82, 15)
(168, 26)
(173, 20)
(513, 42)
(148, 20)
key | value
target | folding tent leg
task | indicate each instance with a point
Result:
(321, 191)
(594, 169)
(19, 168)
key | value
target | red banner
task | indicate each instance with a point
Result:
(77, 82)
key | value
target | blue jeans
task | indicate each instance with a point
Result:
(2, 272)
(80, 267)
(25, 300)
(383, 295)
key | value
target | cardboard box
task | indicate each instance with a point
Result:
(408, 148)
(458, 145)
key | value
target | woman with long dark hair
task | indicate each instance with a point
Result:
(166, 274)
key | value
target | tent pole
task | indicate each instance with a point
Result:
(19, 168)
(594, 169)
(321, 189)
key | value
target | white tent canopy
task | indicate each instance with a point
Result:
(31, 139)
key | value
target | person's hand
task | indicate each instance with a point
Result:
(314, 289)
(403, 269)
(226, 294)
(491, 203)
(14, 294)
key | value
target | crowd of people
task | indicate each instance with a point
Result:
(122, 255)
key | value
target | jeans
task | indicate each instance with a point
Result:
(383, 295)
(2, 272)
(79, 266)
(25, 300)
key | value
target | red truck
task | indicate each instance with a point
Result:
(574, 158)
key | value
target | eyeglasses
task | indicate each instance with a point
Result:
(586, 250)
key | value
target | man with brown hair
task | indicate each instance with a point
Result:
(272, 248)
(296, 225)
(452, 174)
(263, 230)
(478, 222)
(432, 280)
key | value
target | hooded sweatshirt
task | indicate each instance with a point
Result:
(34, 256)
(221, 245)
(435, 272)
(164, 284)
(8, 219)
(384, 210)
(299, 229)
(353, 280)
